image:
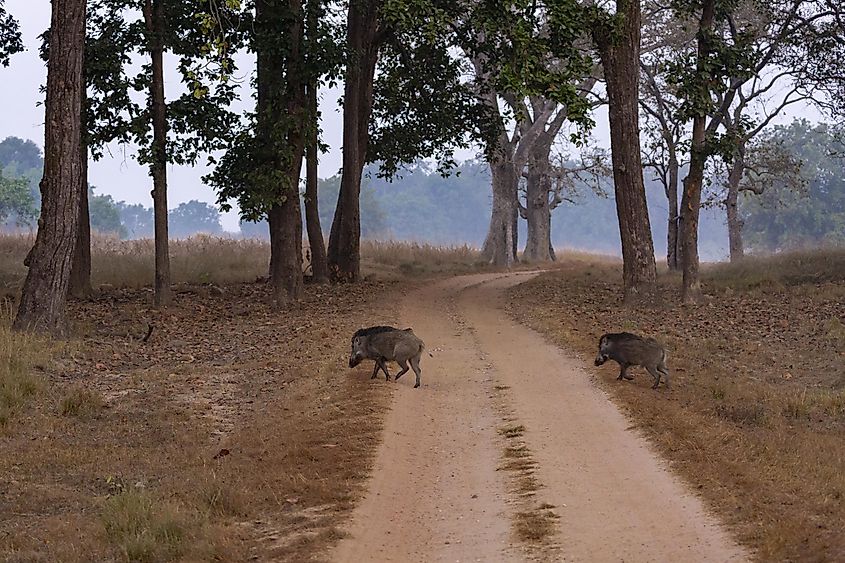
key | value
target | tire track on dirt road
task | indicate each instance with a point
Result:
(435, 494)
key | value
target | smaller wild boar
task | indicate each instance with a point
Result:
(631, 350)
(400, 346)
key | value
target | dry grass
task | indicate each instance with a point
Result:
(755, 419)
(81, 402)
(206, 259)
(789, 268)
(141, 529)
(199, 259)
(21, 355)
(235, 432)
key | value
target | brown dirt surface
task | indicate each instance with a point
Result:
(755, 419)
(239, 426)
(570, 480)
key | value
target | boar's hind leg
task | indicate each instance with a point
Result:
(655, 373)
(415, 363)
(665, 371)
(404, 365)
(623, 373)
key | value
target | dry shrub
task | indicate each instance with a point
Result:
(81, 403)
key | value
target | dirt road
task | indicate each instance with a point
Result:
(509, 453)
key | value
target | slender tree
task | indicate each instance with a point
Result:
(176, 131)
(316, 242)
(45, 289)
(366, 32)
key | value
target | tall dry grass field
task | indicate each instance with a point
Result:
(755, 421)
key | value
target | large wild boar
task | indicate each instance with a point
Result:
(632, 350)
(383, 345)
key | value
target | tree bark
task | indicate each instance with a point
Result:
(282, 100)
(44, 294)
(499, 246)
(673, 250)
(691, 199)
(538, 211)
(316, 243)
(620, 59)
(319, 265)
(80, 273)
(154, 18)
(731, 204)
(344, 259)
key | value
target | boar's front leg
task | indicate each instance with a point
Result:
(383, 365)
(623, 373)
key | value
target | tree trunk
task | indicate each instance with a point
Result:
(154, 17)
(618, 58)
(44, 294)
(316, 243)
(499, 246)
(319, 265)
(673, 250)
(344, 259)
(538, 211)
(731, 206)
(80, 273)
(282, 100)
(691, 199)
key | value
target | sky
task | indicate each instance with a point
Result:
(117, 174)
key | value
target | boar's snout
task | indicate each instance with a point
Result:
(600, 359)
(354, 360)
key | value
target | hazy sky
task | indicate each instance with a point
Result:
(118, 174)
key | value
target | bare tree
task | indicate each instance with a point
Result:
(44, 293)
(555, 180)
(539, 185)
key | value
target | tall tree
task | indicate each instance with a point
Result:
(178, 131)
(417, 105)
(691, 199)
(666, 134)
(316, 242)
(44, 293)
(366, 31)
(155, 22)
(617, 37)
(541, 194)
(520, 49)
(261, 168)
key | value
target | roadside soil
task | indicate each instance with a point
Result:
(509, 452)
(755, 418)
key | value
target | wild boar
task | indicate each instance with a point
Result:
(382, 346)
(632, 350)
